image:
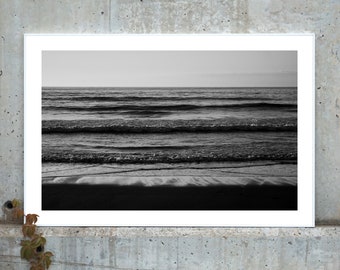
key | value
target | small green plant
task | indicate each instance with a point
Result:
(33, 244)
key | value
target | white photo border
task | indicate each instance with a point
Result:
(302, 43)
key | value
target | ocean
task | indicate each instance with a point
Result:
(169, 136)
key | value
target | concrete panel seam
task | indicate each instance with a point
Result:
(2, 57)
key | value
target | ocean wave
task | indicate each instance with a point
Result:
(147, 98)
(176, 107)
(238, 152)
(164, 126)
(145, 148)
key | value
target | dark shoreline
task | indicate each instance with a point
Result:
(113, 197)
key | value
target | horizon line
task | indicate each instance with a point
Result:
(164, 87)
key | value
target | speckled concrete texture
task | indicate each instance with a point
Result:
(182, 248)
(128, 248)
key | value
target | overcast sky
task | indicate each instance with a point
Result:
(169, 68)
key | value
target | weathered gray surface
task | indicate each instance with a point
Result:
(132, 249)
(180, 248)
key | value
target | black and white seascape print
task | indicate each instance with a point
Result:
(169, 130)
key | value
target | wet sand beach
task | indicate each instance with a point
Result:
(218, 186)
(112, 197)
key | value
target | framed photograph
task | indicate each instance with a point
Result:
(170, 130)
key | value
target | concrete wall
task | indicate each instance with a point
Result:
(178, 248)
